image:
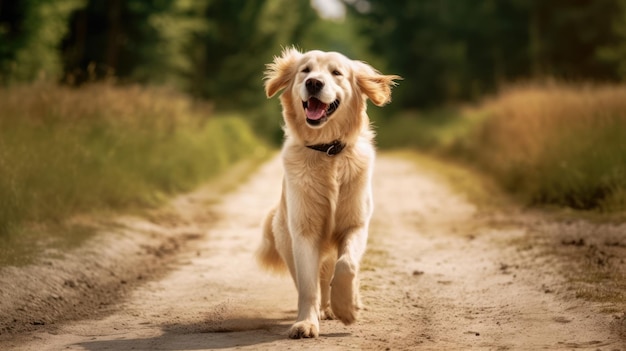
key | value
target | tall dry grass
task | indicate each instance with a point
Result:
(556, 143)
(65, 151)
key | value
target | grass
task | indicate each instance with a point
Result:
(552, 144)
(67, 151)
(557, 144)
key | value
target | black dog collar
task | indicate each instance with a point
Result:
(331, 149)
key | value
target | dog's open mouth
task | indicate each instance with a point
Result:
(318, 112)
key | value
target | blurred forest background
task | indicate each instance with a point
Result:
(530, 91)
(447, 50)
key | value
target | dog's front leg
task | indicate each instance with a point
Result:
(307, 262)
(345, 300)
(309, 205)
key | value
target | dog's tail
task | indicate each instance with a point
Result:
(267, 255)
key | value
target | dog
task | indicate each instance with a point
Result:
(319, 229)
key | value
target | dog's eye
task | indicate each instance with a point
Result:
(306, 70)
(336, 73)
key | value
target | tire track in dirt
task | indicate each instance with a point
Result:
(436, 275)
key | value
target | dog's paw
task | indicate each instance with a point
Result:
(344, 295)
(304, 329)
(327, 314)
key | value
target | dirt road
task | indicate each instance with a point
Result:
(439, 274)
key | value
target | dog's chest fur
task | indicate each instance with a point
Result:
(338, 185)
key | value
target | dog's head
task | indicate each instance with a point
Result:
(323, 88)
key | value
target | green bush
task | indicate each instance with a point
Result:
(548, 144)
(556, 144)
(65, 151)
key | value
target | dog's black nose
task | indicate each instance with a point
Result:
(313, 86)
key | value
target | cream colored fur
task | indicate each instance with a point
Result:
(319, 229)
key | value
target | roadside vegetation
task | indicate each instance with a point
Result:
(549, 144)
(65, 151)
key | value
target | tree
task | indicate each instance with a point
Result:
(571, 35)
(141, 41)
(451, 50)
(614, 53)
(30, 34)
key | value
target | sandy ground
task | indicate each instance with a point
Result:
(439, 274)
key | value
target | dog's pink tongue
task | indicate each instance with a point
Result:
(315, 109)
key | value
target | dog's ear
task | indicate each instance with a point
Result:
(376, 86)
(280, 72)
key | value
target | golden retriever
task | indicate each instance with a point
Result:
(319, 229)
